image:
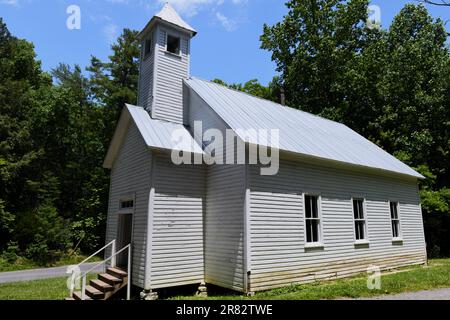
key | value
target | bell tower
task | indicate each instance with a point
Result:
(165, 61)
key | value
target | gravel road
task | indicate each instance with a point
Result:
(438, 294)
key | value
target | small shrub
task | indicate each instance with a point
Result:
(12, 252)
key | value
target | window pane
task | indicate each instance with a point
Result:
(359, 230)
(173, 44)
(396, 228)
(361, 209)
(127, 204)
(355, 209)
(315, 211)
(315, 230)
(394, 210)
(308, 231)
(308, 207)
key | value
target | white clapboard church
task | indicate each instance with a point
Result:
(337, 205)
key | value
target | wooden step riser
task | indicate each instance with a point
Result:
(110, 282)
(101, 288)
(77, 296)
(95, 296)
(113, 282)
(119, 275)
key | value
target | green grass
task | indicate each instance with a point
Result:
(48, 289)
(25, 264)
(436, 275)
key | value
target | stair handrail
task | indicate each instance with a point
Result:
(112, 257)
(112, 244)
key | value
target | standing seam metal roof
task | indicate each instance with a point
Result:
(159, 134)
(300, 132)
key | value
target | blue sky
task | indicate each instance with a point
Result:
(226, 47)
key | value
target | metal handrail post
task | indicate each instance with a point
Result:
(113, 254)
(129, 274)
(83, 289)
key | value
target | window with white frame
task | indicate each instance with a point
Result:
(173, 44)
(126, 204)
(360, 219)
(395, 219)
(312, 219)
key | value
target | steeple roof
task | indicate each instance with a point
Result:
(170, 16)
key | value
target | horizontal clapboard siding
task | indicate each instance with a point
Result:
(131, 176)
(177, 238)
(224, 255)
(224, 221)
(170, 70)
(278, 254)
(145, 98)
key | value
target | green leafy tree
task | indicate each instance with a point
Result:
(115, 83)
(314, 48)
(28, 188)
(255, 88)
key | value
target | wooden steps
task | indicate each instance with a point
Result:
(105, 287)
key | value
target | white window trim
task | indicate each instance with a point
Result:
(127, 210)
(320, 243)
(398, 239)
(168, 33)
(364, 241)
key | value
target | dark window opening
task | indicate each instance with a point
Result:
(360, 219)
(128, 204)
(312, 219)
(173, 44)
(395, 220)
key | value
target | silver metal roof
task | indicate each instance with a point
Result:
(300, 132)
(160, 134)
(157, 134)
(170, 16)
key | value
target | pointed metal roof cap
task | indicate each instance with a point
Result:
(170, 16)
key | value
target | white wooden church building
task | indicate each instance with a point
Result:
(337, 205)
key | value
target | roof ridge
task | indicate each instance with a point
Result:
(279, 105)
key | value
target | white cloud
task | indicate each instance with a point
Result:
(228, 24)
(110, 31)
(10, 2)
(190, 8)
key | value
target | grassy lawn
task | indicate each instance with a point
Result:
(25, 264)
(48, 289)
(436, 275)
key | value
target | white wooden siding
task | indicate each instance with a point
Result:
(177, 238)
(131, 176)
(146, 79)
(278, 254)
(170, 72)
(225, 197)
(224, 246)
